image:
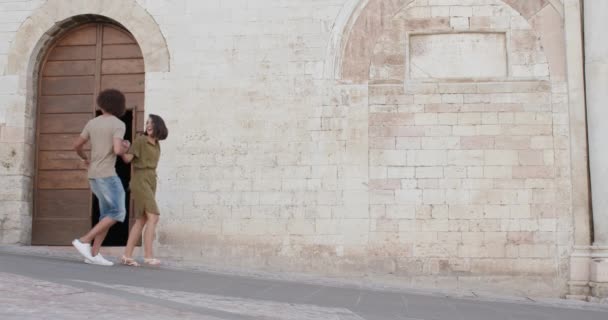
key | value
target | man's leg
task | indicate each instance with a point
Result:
(101, 235)
(101, 227)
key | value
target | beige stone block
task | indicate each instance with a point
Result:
(426, 157)
(495, 237)
(440, 11)
(457, 88)
(506, 117)
(381, 197)
(496, 211)
(461, 11)
(440, 143)
(475, 172)
(452, 98)
(449, 237)
(485, 225)
(531, 157)
(421, 119)
(387, 157)
(481, 251)
(533, 118)
(435, 225)
(455, 172)
(442, 108)
(477, 143)
(529, 225)
(508, 183)
(533, 172)
(430, 196)
(520, 211)
(477, 98)
(428, 183)
(465, 211)
(465, 157)
(408, 143)
(408, 197)
(429, 172)
(437, 131)
(400, 212)
(548, 225)
(435, 250)
(384, 184)
(465, 131)
(377, 172)
(500, 157)
(400, 172)
(458, 196)
(301, 226)
(497, 172)
(534, 251)
(447, 118)
(407, 226)
(458, 225)
(512, 143)
(489, 130)
(541, 142)
(382, 143)
(427, 98)
(459, 23)
(469, 118)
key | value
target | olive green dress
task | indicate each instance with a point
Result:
(143, 182)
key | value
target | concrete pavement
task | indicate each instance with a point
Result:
(63, 287)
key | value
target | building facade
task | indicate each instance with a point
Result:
(439, 143)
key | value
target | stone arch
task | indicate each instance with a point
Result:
(55, 15)
(361, 22)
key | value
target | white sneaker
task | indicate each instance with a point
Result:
(99, 260)
(83, 248)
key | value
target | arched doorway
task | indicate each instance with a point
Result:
(81, 63)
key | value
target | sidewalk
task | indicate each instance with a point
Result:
(222, 295)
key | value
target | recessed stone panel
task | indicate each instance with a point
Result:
(457, 55)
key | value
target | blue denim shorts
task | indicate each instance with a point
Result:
(111, 196)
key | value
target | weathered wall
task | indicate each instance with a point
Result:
(341, 136)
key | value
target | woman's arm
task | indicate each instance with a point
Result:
(127, 158)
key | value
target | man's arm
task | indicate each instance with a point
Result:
(79, 148)
(120, 146)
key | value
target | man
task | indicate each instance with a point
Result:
(106, 134)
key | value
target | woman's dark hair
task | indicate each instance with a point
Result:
(112, 101)
(159, 129)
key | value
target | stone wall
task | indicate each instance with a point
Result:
(427, 140)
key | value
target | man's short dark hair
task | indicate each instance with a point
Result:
(112, 101)
(160, 131)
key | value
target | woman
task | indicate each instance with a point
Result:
(144, 153)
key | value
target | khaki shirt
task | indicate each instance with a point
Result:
(101, 132)
(145, 154)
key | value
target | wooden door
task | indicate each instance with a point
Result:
(78, 66)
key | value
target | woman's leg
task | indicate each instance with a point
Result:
(134, 235)
(149, 234)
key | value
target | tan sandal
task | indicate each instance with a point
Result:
(129, 261)
(152, 261)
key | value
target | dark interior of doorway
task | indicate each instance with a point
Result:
(119, 233)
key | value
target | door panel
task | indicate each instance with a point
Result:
(65, 104)
(68, 85)
(121, 51)
(69, 68)
(73, 53)
(63, 123)
(62, 179)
